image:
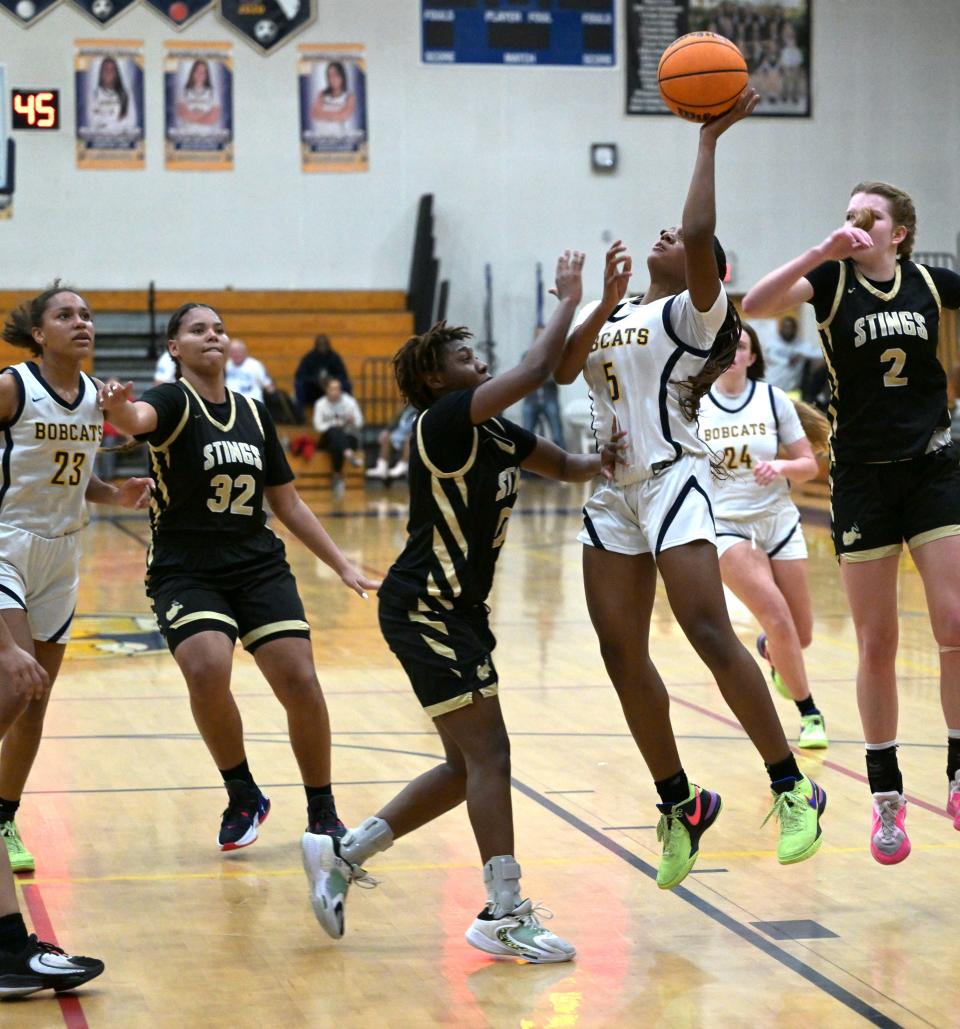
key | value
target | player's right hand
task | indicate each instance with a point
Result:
(845, 242)
(617, 268)
(569, 277)
(113, 394)
(23, 673)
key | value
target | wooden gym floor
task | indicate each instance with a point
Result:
(123, 808)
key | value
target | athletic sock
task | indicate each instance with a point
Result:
(784, 774)
(8, 809)
(241, 772)
(370, 837)
(13, 933)
(807, 707)
(883, 770)
(501, 878)
(321, 807)
(675, 790)
(953, 756)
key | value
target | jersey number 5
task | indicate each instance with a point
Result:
(611, 381)
(223, 487)
(63, 462)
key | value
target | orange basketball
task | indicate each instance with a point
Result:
(701, 75)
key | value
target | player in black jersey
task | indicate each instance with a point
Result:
(894, 472)
(465, 462)
(217, 573)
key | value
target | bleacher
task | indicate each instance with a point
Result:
(365, 327)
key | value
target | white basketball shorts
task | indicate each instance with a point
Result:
(778, 534)
(40, 576)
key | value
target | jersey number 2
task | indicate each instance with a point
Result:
(62, 459)
(899, 358)
(223, 487)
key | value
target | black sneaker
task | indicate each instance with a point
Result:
(42, 966)
(322, 818)
(248, 808)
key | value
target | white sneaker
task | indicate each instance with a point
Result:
(378, 471)
(398, 471)
(330, 877)
(339, 487)
(519, 935)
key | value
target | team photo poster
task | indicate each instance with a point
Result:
(109, 81)
(333, 109)
(198, 106)
(773, 38)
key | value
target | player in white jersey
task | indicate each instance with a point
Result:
(50, 428)
(763, 555)
(648, 362)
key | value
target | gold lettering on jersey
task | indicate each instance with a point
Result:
(508, 483)
(620, 338)
(889, 323)
(734, 431)
(60, 431)
(228, 451)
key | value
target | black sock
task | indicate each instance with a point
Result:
(953, 763)
(8, 809)
(318, 791)
(883, 771)
(675, 790)
(807, 707)
(241, 772)
(13, 933)
(321, 808)
(784, 774)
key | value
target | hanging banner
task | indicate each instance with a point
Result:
(178, 13)
(774, 39)
(198, 87)
(267, 24)
(109, 80)
(26, 12)
(333, 108)
(103, 11)
(7, 177)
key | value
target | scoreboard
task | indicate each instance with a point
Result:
(570, 32)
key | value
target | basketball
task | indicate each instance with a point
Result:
(700, 75)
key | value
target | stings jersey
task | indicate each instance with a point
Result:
(632, 370)
(745, 430)
(211, 463)
(880, 344)
(463, 484)
(48, 450)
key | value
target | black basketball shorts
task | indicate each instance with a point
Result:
(446, 654)
(876, 507)
(244, 590)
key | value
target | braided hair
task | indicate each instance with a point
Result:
(23, 319)
(722, 352)
(421, 356)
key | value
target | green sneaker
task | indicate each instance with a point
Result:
(21, 860)
(798, 811)
(679, 830)
(778, 684)
(813, 733)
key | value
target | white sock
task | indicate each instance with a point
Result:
(370, 837)
(501, 877)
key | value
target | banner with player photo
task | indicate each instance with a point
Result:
(103, 11)
(26, 12)
(109, 81)
(198, 89)
(775, 40)
(267, 24)
(178, 13)
(333, 108)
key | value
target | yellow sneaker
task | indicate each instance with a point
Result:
(21, 860)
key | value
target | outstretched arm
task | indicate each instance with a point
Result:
(617, 267)
(134, 418)
(700, 211)
(287, 504)
(551, 462)
(785, 287)
(490, 398)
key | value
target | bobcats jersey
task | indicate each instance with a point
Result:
(463, 485)
(745, 430)
(211, 463)
(880, 345)
(632, 371)
(48, 451)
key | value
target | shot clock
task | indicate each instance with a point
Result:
(35, 109)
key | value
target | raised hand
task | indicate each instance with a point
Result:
(845, 242)
(745, 105)
(114, 394)
(569, 277)
(617, 268)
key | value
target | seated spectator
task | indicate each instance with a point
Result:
(787, 356)
(245, 374)
(337, 419)
(395, 439)
(165, 370)
(315, 368)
